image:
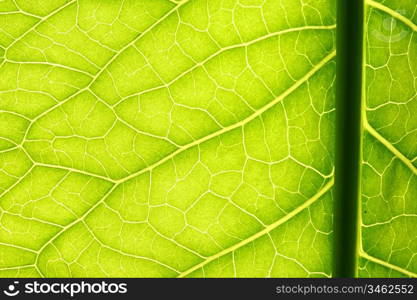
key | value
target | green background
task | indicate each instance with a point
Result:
(156, 138)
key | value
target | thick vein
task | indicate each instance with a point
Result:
(222, 50)
(393, 13)
(390, 147)
(266, 230)
(298, 83)
(76, 221)
(197, 142)
(87, 87)
(45, 18)
(366, 126)
(213, 135)
(71, 170)
(387, 264)
(160, 20)
(253, 116)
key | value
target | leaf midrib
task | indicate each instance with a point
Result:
(367, 127)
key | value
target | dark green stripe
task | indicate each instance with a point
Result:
(348, 135)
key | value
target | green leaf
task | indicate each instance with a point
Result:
(157, 138)
(389, 165)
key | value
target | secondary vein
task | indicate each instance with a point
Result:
(387, 264)
(268, 106)
(160, 162)
(393, 13)
(390, 147)
(266, 230)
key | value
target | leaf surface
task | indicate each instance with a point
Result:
(154, 138)
(389, 172)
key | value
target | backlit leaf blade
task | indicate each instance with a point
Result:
(389, 172)
(193, 141)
